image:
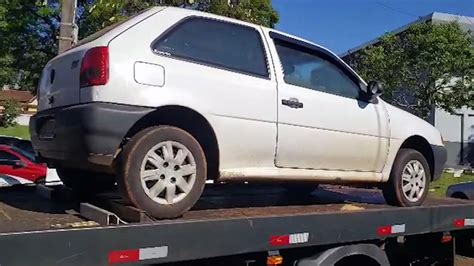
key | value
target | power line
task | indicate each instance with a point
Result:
(396, 10)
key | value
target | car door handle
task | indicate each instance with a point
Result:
(292, 103)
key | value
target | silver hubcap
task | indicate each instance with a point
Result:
(168, 172)
(413, 181)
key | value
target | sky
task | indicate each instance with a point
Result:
(340, 25)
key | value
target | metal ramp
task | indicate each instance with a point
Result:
(104, 209)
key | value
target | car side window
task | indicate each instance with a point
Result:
(304, 68)
(5, 156)
(216, 43)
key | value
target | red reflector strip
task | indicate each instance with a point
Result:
(384, 230)
(291, 239)
(458, 223)
(391, 229)
(279, 240)
(124, 256)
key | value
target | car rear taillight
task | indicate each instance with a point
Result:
(95, 67)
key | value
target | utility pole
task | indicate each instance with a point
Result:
(68, 28)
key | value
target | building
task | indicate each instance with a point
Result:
(28, 103)
(26, 99)
(457, 129)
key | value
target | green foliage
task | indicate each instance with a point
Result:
(255, 11)
(429, 65)
(101, 13)
(11, 110)
(28, 31)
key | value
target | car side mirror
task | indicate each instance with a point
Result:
(18, 164)
(374, 89)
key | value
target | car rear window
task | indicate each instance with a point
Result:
(5, 156)
(27, 154)
(216, 43)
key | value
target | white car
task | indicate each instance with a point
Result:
(173, 97)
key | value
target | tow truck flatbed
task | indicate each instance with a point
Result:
(227, 221)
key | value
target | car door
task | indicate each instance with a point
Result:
(28, 167)
(325, 120)
(9, 164)
(220, 69)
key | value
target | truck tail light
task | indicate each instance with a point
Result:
(95, 67)
(274, 260)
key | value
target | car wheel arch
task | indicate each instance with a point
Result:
(459, 195)
(420, 144)
(40, 180)
(181, 116)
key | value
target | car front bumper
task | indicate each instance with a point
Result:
(440, 156)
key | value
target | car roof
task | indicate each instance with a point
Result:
(10, 137)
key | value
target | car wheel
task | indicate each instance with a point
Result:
(84, 183)
(163, 171)
(409, 180)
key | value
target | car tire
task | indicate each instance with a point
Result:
(163, 171)
(300, 189)
(40, 181)
(85, 184)
(409, 180)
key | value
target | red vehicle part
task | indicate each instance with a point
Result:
(16, 162)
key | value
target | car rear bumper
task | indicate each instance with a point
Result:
(440, 156)
(83, 136)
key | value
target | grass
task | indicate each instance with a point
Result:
(16, 131)
(438, 188)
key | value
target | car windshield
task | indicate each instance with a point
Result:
(27, 155)
(24, 145)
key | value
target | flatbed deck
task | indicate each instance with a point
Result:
(23, 210)
(228, 220)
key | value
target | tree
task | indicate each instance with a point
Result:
(28, 31)
(429, 65)
(11, 110)
(101, 13)
(258, 12)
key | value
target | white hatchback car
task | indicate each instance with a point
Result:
(173, 97)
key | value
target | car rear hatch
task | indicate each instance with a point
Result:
(60, 83)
